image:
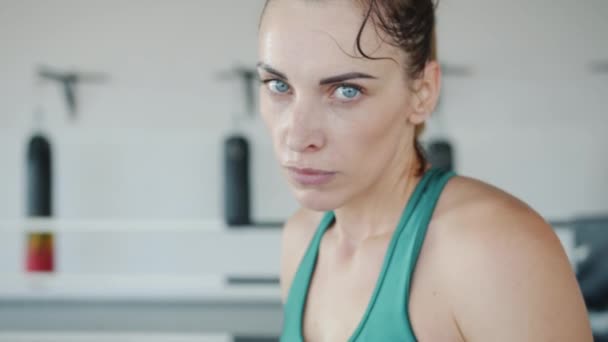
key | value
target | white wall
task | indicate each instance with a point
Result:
(531, 118)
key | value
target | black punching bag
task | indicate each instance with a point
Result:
(441, 154)
(39, 177)
(236, 181)
(237, 156)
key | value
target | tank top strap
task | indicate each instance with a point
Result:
(425, 209)
(390, 311)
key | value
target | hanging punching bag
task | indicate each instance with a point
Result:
(39, 177)
(236, 154)
(236, 181)
(441, 154)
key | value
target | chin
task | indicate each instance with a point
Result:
(317, 200)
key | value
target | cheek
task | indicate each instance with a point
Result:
(374, 125)
(266, 115)
(386, 124)
(370, 138)
(265, 107)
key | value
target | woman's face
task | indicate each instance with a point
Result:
(339, 121)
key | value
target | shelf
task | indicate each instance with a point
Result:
(157, 288)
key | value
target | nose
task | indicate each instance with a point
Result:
(304, 128)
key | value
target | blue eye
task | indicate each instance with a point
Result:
(347, 92)
(278, 86)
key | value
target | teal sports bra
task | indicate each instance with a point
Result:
(386, 318)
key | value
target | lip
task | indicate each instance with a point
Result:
(310, 177)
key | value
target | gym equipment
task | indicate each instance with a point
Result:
(236, 152)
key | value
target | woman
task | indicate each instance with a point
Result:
(385, 247)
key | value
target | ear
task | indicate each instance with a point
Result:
(426, 93)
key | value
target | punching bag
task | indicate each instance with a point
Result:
(39, 177)
(441, 154)
(236, 154)
(236, 181)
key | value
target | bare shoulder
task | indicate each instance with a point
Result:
(296, 235)
(472, 210)
(510, 279)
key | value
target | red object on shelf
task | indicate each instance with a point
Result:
(40, 256)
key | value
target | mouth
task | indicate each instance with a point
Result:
(310, 177)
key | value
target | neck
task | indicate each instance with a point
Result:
(376, 211)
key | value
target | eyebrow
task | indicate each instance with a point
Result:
(329, 80)
(345, 77)
(271, 70)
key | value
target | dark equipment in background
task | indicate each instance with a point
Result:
(236, 154)
(237, 195)
(591, 260)
(592, 271)
(39, 171)
(591, 233)
(441, 154)
(69, 80)
(256, 339)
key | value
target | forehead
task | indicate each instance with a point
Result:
(314, 37)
